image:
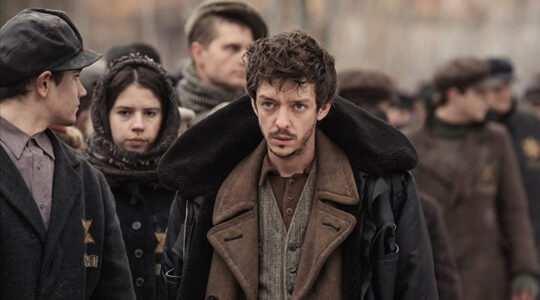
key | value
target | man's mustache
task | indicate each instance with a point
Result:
(281, 132)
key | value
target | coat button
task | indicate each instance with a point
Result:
(139, 282)
(290, 196)
(138, 253)
(133, 201)
(211, 297)
(289, 211)
(292, 269)
(290, 181)
(292, 248)
(32, 236)
(136, 225)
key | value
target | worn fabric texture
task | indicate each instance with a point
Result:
(81, 255)
(142, 203)
(382, 237)
(201, 97)
(484, 206)
(119, 164)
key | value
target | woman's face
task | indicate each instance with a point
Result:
(135, 118)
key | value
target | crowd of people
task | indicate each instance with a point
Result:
(259, 171)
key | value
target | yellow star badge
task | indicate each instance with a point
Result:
(160, 236)
(87, 237)
(531, 148)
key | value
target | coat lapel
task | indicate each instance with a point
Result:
(67, 187)
(328, 226)
(15, 191)
(234, 236)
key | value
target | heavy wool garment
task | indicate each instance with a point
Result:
(81, 255)
(201, 97)
(387, 212)
(142, 202)
(484, 207)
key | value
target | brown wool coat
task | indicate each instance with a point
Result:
(484, 206)
(234, 237)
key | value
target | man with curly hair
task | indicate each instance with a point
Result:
(295, 195)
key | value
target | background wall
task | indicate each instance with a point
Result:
(405, 38)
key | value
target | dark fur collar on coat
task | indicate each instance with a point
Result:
(204, 155)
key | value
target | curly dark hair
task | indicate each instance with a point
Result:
(295, 56)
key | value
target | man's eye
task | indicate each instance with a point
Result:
(124, 113)
(151, 113)
(234, 48)
(299, 106)
(268, 104)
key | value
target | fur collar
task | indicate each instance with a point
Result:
(203, 156)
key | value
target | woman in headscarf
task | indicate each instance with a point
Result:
(135, 118)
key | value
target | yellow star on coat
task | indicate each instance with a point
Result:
(87, 237)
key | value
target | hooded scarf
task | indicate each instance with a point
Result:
(201, 97)
(117, 164)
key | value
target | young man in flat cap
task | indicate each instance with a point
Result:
(290, 193)
(218, 33)
(59, 234)
(524, 128)
(469, 166)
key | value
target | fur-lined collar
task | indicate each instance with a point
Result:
(200, 160)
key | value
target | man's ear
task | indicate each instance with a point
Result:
(452, 93)
(195, 49)
(43, 83)
(323, 110)
(254, 106)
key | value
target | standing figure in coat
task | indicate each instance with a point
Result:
(135, 118)
(469, 166)
(524, 128)
(218, 34)
(59, 234)
(291, 194)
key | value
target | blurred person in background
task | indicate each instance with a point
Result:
(524, 128)
(89, 78)
(400, 113)
(531, 98)
(219, 33)
(135, 118)
(59, 234)
(469, 166)
(375, 92)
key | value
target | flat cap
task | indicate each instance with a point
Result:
(37, 40)
(366, 87)
(235, 9)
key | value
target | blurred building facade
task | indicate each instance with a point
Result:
(404, 38)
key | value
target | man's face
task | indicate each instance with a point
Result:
(288, 117)
(220, 62)
(473, 104)
(64, 98)
(135, 118)
(500, 97)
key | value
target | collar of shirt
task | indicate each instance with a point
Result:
(268, 168)
(15, 139)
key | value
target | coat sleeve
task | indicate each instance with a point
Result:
(415, 271)
(514, 210)
(115, 277)
(172, 260)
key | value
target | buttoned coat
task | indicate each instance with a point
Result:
(81, 255)
(484, 206)
(211, 246)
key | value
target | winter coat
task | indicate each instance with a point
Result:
(81, 255)
(484, 206)
(142, 204)
(446, 272)
(524, 128)
(388, 212)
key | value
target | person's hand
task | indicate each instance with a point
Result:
(524, 287)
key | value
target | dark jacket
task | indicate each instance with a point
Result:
(524, 128)
(484, 207)
(387, 199)
(67, 261)
(142, 204)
